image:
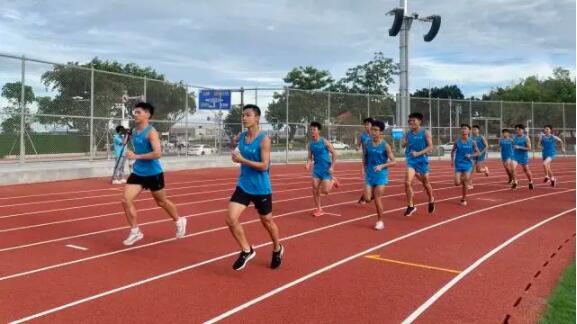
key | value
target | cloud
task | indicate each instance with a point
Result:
(226, 42)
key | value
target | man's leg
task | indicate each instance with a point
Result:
(234, 211)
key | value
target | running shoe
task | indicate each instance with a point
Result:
(277, 258)
(134, 236)
(243, 259)
(410, 210)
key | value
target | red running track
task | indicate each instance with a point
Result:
(493, 260)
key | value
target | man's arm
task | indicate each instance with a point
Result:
(156, 148)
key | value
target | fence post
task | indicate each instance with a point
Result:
(430, 114)
(439, 124)
(450, 119)
(22, 111)
(329, 117)
(532, 124)
(241, 107)
(145, 85)
(369, 105)
(564, 130)
(287, 125)
(92, 114)
(186, 112)
(501, 116)
(470, 113)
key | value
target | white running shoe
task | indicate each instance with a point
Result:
(380, 226)
(122, 180)
(463, 202)
(133, 237)
(181, 227)
(115, 182)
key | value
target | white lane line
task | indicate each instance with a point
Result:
(488, 199)
(166, 220)
(473, 266)
(355, 256)
(77, 247)
(277, 290)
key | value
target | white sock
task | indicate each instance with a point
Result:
(135, 229)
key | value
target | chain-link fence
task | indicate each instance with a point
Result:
(51, 111)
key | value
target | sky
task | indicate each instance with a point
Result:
(226, 43)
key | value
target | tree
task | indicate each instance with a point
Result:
(557, 88)
(13, 93)
(373, 77)
(372, 81)
(446, 92)
(232, 122)
(305, 105)
(308, 78)
(72, 84)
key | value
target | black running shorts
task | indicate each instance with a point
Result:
(262, 203)
(152, 183)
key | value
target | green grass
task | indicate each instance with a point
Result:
(561, 304)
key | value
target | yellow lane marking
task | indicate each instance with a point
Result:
(378, 257)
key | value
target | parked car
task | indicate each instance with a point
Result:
(338, 145)
(200, 149)
(448, 146)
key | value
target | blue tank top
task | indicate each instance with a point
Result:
(480, 142)
(376, 155)
(141, 144)
(506, 145)
(464, 149)
(520, 141)
(320, 154)
(416, 142)
(252, 181)
(118, 144)
(365, 137)
(548, 145)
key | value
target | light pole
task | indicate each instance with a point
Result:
(402, 24)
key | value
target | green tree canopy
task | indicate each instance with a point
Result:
(446, 92)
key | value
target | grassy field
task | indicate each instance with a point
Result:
(561, 304)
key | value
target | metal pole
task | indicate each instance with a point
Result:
(369, 105)
(404, 103)
(241, 106)
(22, 110)
(256, 96)
(439, 123)
(287, 125)
(329, 117)
(563, 132)
(145, 84)
(186, 112)
(450, 120)
(532, 124)
(430, 114)
(470, 112)
(501, 116)
(92, 113)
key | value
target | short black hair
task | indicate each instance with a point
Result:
(119, 129)
(254, 108)
(477, 127)
(146, 107)
(505, 130)
(466, 125)
(317, 125)
(368, 120)
(378, 124)
(548, 126)
(416, 115)
(521, 126)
